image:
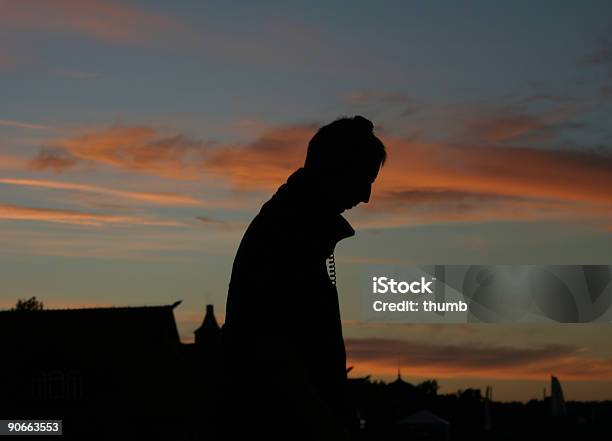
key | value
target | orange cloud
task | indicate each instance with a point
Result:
(506, 171)
(437, 182)
(52, 159)
(265, 162)
(140, 149)
(261, 164)
(378, 356)
(9, 162)
(441, 182)
(18, 212)
(422, 182)
(102, 19)
(433, 173)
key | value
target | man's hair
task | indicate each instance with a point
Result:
(343, 142)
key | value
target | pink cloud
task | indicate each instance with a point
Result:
(265, 162)
(422, 182)
(152, 198)
(136, 148)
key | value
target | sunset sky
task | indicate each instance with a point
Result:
(138, 139)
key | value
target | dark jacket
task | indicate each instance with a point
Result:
(285, 360)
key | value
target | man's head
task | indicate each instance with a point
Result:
(345, 157)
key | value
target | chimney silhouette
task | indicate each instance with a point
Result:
(209, 332)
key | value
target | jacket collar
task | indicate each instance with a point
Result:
(305, 199)
(340, 228)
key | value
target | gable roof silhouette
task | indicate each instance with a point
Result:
(125, 327)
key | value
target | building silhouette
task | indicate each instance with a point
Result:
(123, 373)
(208, 335)
(109, 371)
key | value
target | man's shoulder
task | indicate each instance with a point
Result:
(277, 218)
(273, 230)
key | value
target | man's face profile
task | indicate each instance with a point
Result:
(344, 158)
(353, 184)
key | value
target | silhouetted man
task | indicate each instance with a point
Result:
(285, 360)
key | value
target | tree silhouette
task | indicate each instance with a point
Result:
(31, 304)
(470, 395)
(429, 387)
